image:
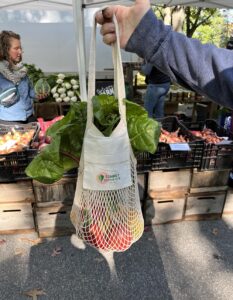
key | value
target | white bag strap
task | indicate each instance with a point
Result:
(119, 83)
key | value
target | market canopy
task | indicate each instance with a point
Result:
(79, 5)
(68, 4)
(198, 3)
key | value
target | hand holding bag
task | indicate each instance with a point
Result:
(106, 211)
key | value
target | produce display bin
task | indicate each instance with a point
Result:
(22, 128)
(12, 166)
(167, 159)
(71, 173)
(215, 156)
(144, 162)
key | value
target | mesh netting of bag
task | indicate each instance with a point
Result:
(109, 220)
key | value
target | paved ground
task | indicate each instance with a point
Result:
(186, 260)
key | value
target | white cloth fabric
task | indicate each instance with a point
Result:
(106, 211)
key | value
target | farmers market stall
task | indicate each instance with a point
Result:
(192, 164)
(186, 179)
(78, 7)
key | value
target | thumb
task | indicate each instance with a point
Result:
(142, 5)
(144, 2)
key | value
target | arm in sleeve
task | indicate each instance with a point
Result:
(204, 68)
(32, 93)
(146, 69)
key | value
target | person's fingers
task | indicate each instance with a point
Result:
(104, 15)
(109, 38)
(107, 28)
(144, 2)
(99, 17)
(108, 12)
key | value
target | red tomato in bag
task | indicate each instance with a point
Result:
(119, 237)
(95, 236)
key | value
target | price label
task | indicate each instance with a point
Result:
(180, 147)
(224, 142)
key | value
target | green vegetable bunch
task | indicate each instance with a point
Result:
(67, 136)
(66, 89)
(34, 73)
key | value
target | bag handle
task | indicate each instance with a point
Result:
(119, 82)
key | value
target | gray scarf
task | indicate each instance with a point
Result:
(15, 73)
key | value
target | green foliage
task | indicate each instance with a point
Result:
(212, 33)
(34, 73)
(197, 16)
(36, 76)
(206, 24)
(51, 79)
(67, 136)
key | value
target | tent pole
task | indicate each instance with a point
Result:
(80, 47)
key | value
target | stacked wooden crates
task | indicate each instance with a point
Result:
(190, 185)
(228, 207)
(209, 184)
(187, 195)
(207, 194)
(16, 192)
(167, 191)
(170, 176)
(52, 207)
(16, 214)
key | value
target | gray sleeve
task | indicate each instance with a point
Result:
(203, 68)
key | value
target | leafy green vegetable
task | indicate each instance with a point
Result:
(47, 167)
(34, 73)
(106, 113)
(67, 136)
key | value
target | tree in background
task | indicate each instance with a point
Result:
(198, 16)
(206, 24)
(213, 33)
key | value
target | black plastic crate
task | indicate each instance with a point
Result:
(12, 166)
(215, 156)
(71, 173)
(144, 162)
(166, 159)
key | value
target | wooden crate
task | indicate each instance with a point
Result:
(60, 191)
(204, 206)
(228, 206)
(16, 218)
(168, 194)
(20, 191)
(53, 219)
(163, 211)
(210, 178)
(168, 184)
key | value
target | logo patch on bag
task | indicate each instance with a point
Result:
(104, 177)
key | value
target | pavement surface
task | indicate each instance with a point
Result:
(190, 260)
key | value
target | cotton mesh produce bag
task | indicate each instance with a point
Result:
(106, 211)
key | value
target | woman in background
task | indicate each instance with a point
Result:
(14, 74)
